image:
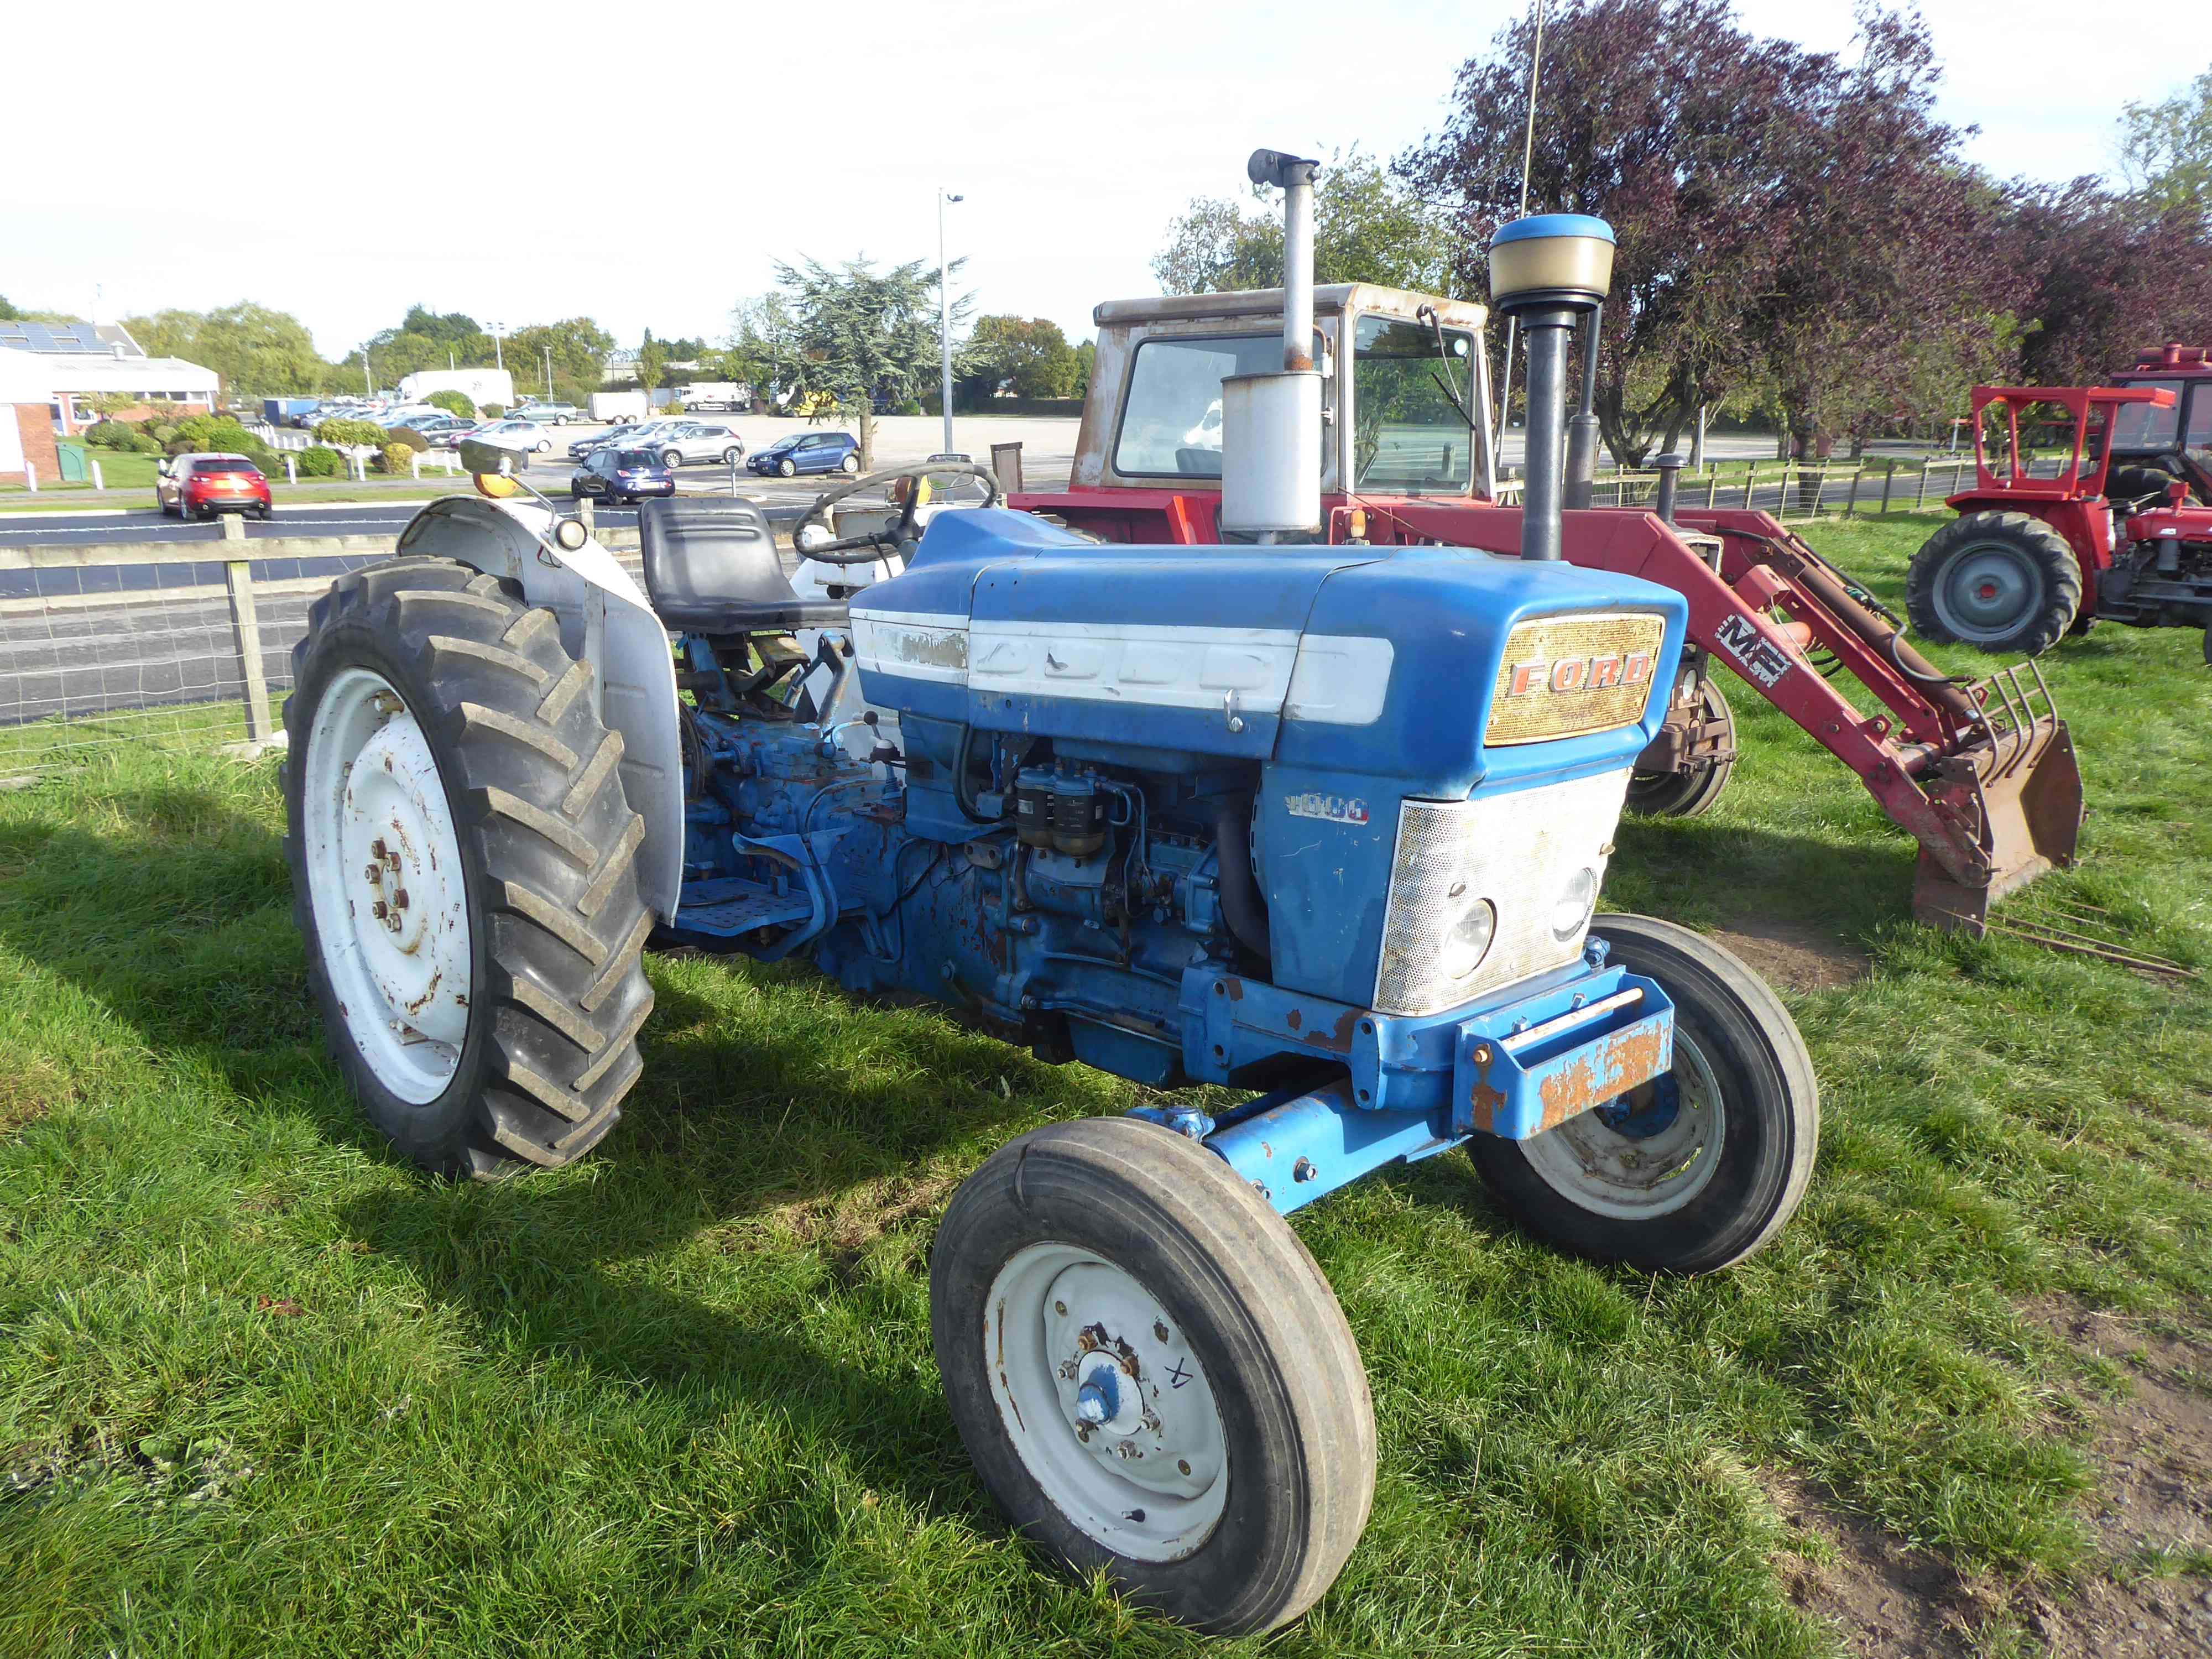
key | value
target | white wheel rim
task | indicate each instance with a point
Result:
(384, 877)
(1151, 1481)
(1633, 1178)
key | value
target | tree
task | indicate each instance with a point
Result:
(1720, 159)
(2165, 150)
(853, 335)
(1028, 356)
(10, 314)
(2104, 275)
(1086, 360)
(252, 348)
(579, 347)
(453, 402)
(652, 364)
(760, 328)
(1369, 227)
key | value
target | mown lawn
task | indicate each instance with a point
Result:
(265, 1391)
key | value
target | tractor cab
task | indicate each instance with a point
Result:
(1404, 395)
(2053, 443)
(2154, 445)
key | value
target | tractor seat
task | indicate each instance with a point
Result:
(711, 566)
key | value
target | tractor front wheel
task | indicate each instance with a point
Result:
(1697, 1168)
(1151, 1375)
(462, 857)
(2002, 582)
(1694, 787)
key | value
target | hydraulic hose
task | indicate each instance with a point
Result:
(1242, 907)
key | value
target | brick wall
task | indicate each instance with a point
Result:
(35, 421)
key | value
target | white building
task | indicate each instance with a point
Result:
(79, 362)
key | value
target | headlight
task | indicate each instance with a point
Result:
(1570, 913)
(1468, 941)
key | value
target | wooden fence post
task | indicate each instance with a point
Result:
(1750, 482)
(245, 633)
(1888, 478)
(1851, 503)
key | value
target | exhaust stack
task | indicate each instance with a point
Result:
(1549, 271)
(1270, 423)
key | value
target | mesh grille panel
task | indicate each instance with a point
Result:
(1565, 675)
(1519, 851)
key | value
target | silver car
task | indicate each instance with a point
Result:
(698, 440)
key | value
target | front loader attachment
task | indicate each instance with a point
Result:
(2011, 802)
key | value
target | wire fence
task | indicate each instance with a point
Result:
(156, 644)
(1796, 491)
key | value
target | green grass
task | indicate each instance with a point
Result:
(266, 1391)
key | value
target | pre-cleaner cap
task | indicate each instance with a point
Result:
(1551, 258)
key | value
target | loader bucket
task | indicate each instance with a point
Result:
(2014, 798)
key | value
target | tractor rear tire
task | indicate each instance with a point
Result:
(1693, 789)
(2001, 582)
(434, 707)
(1695, 1171)
(1107, 1237)
(2128, 483)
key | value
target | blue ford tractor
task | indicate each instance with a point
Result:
(1323, 824)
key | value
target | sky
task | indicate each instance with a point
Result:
(531, 161)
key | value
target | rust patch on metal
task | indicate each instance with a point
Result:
(1590, 1081)
(1484, 1104)
(1235, 988)
(1338, 1040)
(1294, 1020)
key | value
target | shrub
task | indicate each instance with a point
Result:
(112, 435)
(453, 402)
(409, 437)
(350, 432)
(493, 411)
(320, 462)
(397, 459)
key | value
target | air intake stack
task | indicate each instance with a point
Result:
(1271, 422)
(1548, 270)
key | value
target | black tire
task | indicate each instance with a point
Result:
(1258, 1318)
(2127, 484)
(1770, 1117)
(731, 457)
(2030, 576)
(549, 843)
(1692, 790)
(672, 459)
(787, 468)
(850, 464)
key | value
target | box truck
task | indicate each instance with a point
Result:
(479, 385)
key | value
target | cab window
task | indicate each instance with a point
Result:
(2138, 426)
(1407, 438)
(1171, 418)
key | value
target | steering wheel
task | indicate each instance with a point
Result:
(866, 549)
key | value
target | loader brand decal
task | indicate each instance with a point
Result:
(1337, 809)
(1763, 661)
(1565, 676)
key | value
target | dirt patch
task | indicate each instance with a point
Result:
(1884, 1599)
(843, 1225)
(2154, 1501)
(1794, 955)
(2145, 1595)
(30, 1089)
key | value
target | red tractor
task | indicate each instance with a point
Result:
(2080, 511)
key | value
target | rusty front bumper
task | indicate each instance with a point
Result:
(2009, 800)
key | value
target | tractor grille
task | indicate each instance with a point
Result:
(1566, 675)
(1524, 852)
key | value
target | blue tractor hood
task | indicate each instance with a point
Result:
(1381, 661)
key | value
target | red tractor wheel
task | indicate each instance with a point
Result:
(2002, 582)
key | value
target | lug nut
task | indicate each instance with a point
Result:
(377, 909)
(399, 899)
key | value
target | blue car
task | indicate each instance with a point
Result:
(808, 452)
(620, 477)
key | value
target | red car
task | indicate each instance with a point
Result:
(202, 485)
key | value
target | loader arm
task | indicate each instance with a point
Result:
(1982, 775)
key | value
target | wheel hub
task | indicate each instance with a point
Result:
(384, 868)
(1646, 1154)
(1987, 592)
(1107, 1402)
(1123, 1377)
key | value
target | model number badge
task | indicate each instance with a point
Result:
(1337, 809)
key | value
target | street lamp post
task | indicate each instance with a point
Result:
(944, 311)
(499, 345)
(549, 373)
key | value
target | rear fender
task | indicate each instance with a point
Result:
(606, 621)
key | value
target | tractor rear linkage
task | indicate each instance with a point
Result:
(1983, 775)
